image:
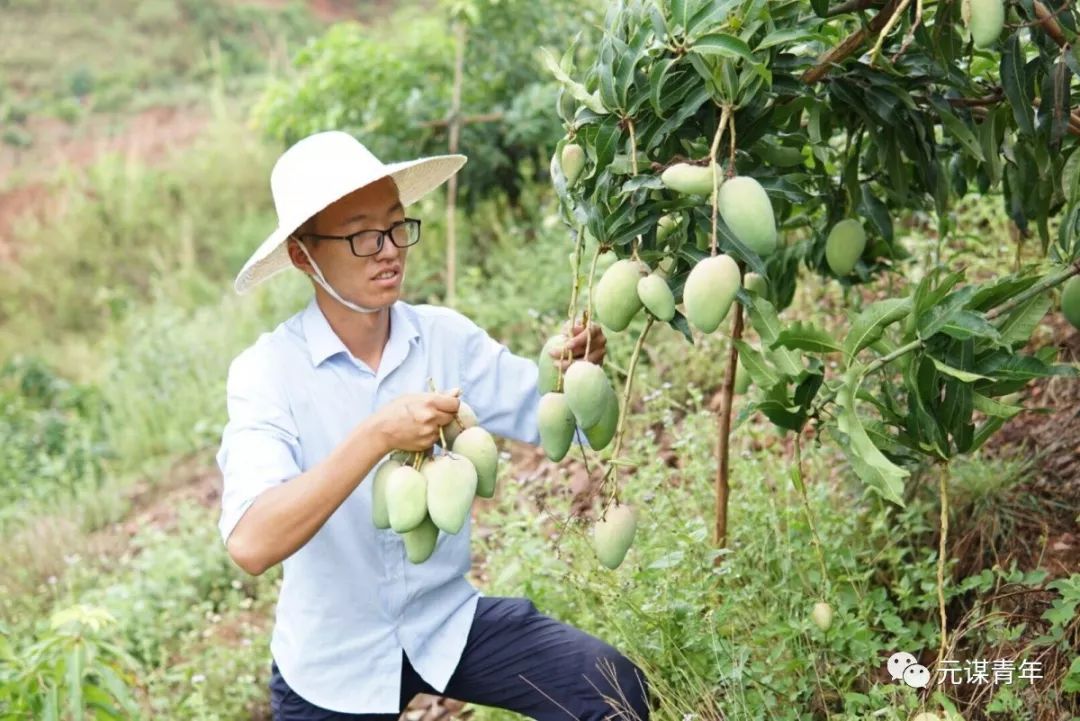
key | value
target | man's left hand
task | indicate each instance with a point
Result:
(576, 345)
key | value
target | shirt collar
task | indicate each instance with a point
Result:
(324, 343)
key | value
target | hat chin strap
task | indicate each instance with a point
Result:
(326, 286)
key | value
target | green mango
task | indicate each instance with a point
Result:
(666, 267)
(406, 498)
(600, 435)
(755, 283)
(1070, 301)
(985, 19)
(691, 179)
(451, 487)
(549, 372)
(822, 615)
(573, 162)
(379, 515)
(781, 156)
(556, 424)
(709, 291)
(656, 296)
(615, 296)
(748, 212)
(478, 446)
(466, 418)
(844, 246)
(585, 386)
(420, 541)
(666, 226)
(614, 534)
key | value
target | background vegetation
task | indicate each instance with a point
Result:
(117, 324)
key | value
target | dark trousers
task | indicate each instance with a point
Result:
(518, 659)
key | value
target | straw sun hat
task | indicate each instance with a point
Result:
(321, 169)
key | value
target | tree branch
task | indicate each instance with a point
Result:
(723, 441)
(850, 44)
(1050, 24)
(851, 6)
(992, 99)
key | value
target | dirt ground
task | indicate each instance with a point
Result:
(26, 174)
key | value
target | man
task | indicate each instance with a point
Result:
(315, 405)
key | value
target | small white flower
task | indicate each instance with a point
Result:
(198, 678)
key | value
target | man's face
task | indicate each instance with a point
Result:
(373, 281)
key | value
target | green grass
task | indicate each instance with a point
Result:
(64, 56)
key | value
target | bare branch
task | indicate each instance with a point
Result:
(850, 44)
(1050, 24)
(851, 6)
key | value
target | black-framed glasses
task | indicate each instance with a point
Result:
(366, 243)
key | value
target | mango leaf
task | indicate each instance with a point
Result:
(786, 361)
(789, 36)
(879, 215)
(920, 380)
(928, 295)
(1004, 366)
(1017, 87)
(658, 76)
(985, 431)
(999, 290)
(579, 91)
(872, 322)
(765, 321)
(808, 337)
(606, 73)
(957, 128)
(685, 111)
(680, 324)
(730, 243)
(710, 13)
(883, 437)
(755, 364)
(606, 142)
(1059, 79)
(988, 138)
(867, 460)
(808, 388)
(965, 376)
(784, 416)
(1020, 323)
(960, 324)
(725, 45)
(994, 408)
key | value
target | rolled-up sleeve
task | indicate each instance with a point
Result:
(260, 445)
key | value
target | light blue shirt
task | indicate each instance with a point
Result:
(350, 599)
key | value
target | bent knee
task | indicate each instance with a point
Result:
(622, 686)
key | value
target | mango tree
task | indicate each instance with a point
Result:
(717, 148)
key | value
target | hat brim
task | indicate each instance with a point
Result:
(414, 180)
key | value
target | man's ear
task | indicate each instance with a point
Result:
(296, 255)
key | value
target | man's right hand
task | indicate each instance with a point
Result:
(412, 422)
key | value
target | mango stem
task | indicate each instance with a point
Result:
(624, 405)
(725, 112)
